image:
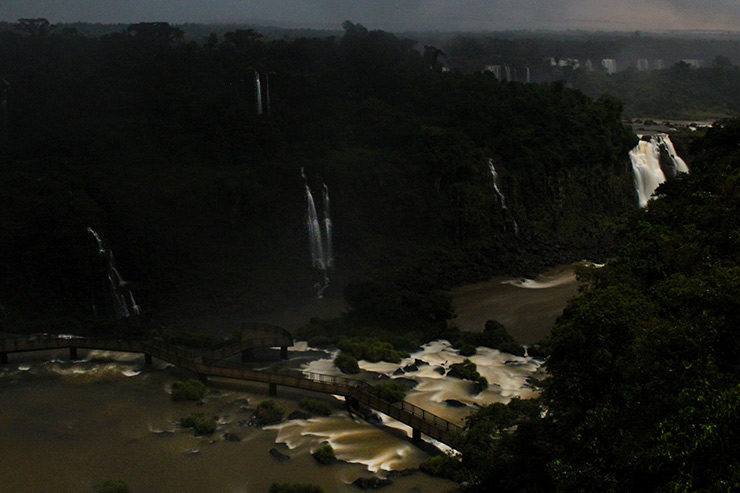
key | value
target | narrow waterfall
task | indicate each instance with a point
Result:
(314, 229)
(121, 297)
(648, 174)
(508, 217)
(320, 241)
(258, 92)
(494, 174)
(679, 165)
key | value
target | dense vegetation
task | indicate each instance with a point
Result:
(155, 142)
(189, 390)
(677, 92)
(642, 393)
(200, 423)
(268, 412)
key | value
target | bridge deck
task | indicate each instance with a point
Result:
(206, 363)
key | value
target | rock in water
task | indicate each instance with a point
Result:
(373, 483)
(232, 437)
(455, 403)
(278, 455)
(298, 415)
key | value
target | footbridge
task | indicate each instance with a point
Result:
(210, 363)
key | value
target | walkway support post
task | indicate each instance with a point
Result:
(283, 352)
(415, 435)
(73, 353)
(273, 389)
(147, 359)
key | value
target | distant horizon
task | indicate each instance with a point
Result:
(302, 26)
(400, 15)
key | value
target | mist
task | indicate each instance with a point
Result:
(443, 15)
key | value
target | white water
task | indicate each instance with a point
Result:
(353, 440)
(501, 198)
(679, 164)
(645, 158)
(506, 374)
(258, 92)
(320, 241)
(124, 304)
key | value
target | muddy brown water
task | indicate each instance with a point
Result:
(70, 426)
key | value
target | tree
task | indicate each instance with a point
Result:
(34, 27)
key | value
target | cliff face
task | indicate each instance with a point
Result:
(160, 148)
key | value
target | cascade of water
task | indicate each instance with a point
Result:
(645, 158)
(507, 70)
(258, 92)
(121, 295)
(679, 164)
(496, 188)
(314, 230)
(501, 198)
(320, 241)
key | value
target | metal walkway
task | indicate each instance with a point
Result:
(208, 363)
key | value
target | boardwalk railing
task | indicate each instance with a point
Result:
(207, 363)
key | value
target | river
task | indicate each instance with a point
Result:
(70, 426)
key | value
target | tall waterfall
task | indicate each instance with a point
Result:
(320, 241)
(122, 298)
(501, 199)
(258, 92)
(648, 174)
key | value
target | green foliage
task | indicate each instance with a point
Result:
(467, 370)
(202, 424)
(346, 363)
(324, 454)
(641, 392)
(171, 165)
(370, 349)
(494, 336)
(114, 486)
(269, 412)
(467, 349)
(444, 466)
(294, 488)
(190, 390)
(315, 406)
(390, 391)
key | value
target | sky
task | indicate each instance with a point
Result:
(398, 15)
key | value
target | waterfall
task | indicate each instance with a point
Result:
(645, 158)
(501, 199)
(679, 165)
(122, 298)
(314, 230)
(258, 92)
(526, 69)
(507, 70)
(319, 240)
